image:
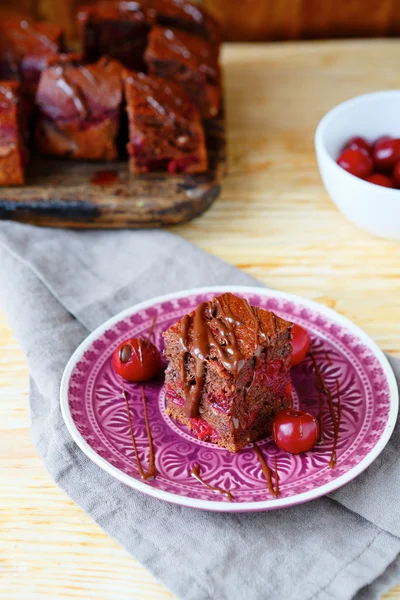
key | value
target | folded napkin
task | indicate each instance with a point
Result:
(55, 287)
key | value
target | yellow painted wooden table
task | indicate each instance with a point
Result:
(273, 220)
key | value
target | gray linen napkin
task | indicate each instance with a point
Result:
(55, 287)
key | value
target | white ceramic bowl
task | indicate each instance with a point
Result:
(374, 208)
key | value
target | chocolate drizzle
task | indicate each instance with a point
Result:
(202, 340)
(336, 425)
(152, 471)
(336, 417)
(274, 490)
(7, 97)
(195, 472)
(153, 324)
(72, 91)
(41, 37)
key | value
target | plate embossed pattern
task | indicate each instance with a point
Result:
(98, 411)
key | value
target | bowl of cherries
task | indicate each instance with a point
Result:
(358, 152)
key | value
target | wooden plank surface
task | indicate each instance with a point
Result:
(262, 20)
(274, 220)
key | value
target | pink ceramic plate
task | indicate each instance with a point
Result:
(95, 411)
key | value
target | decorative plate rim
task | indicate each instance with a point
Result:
(210, 505)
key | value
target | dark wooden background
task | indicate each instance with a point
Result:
(263, 19)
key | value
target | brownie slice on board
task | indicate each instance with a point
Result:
(80, 110)
(190, 61)
(13, 151)
(165, 128)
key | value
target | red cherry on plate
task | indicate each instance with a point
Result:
(356, 161)
(137, 360)
(380, 179)
(300, 345)
(386, 153)
(396, 175)
(295, 431)
(358, 142)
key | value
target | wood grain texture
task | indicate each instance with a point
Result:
(263, 19)
(305, 19)
(273, 220)
(59, 193)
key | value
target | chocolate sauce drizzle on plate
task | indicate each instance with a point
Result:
(203, 340)
(72, 91)
(273, 489)
(336, 417)
(151, 473)
(195, 472)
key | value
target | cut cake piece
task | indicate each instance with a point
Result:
(118, 29)
(80, 110)
(190, 61)
(26, 47)
(165, 128)
(13, 151)
(228, 371)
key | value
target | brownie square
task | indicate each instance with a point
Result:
(116, 29)
(228, 371)
(80, 110)
(190, 61)
(165, 128)
(192, 18)
(25, 48)
(13, 153)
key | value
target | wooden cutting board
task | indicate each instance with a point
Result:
(64, 193)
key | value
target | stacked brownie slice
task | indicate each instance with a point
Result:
(228, 371)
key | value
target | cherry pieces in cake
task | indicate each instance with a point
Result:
(165, 128)
(80, 110)
(116, 29)
(25, 48)
(228, 372)
(13, 152)
(190, 61)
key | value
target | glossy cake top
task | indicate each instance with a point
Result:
(231, 326)
(81, 92)
(25, 38)
(8, 94)
(121, 10)
(180, 13)
(169, 44)
(159, 99)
